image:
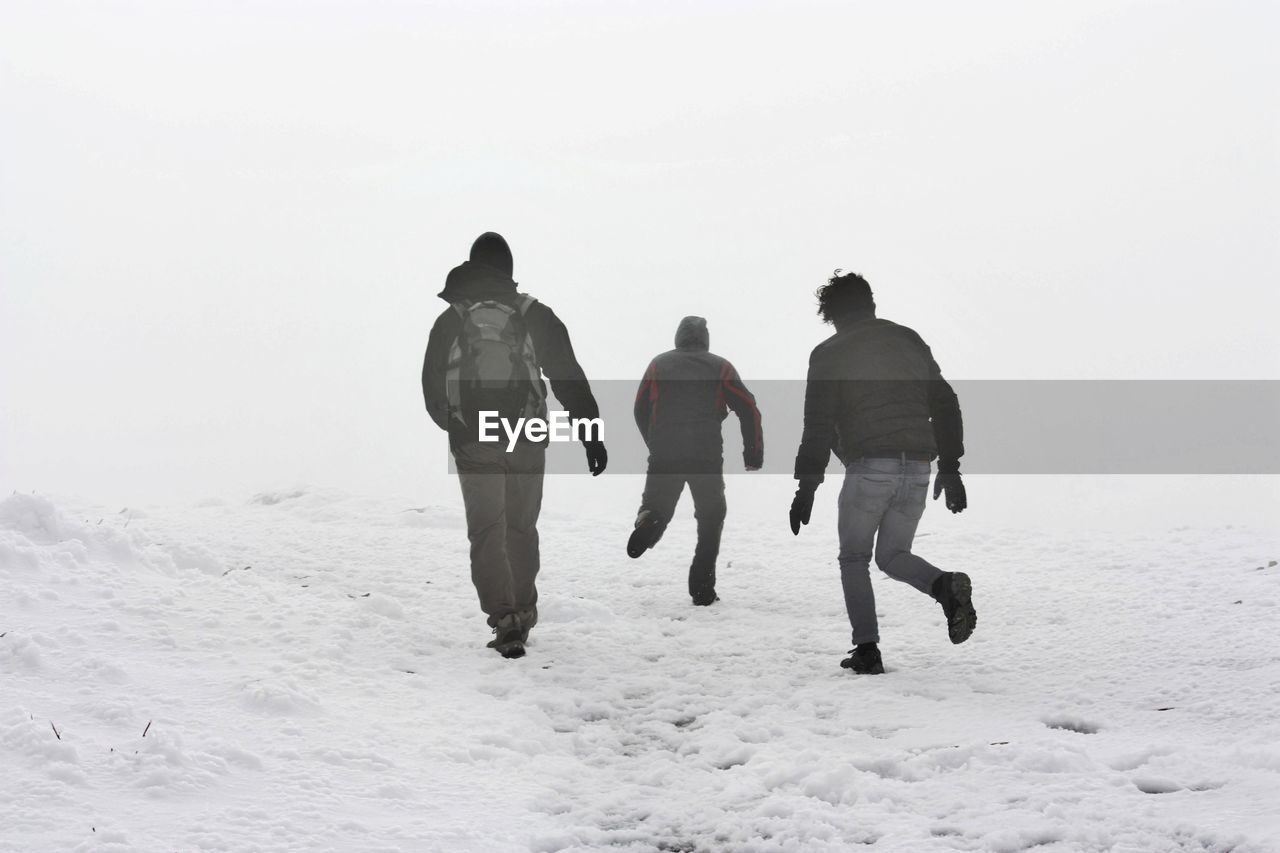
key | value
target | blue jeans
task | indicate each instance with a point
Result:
(881, 501)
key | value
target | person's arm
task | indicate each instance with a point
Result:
(560, 365)
(646, 400)
(948, 435)
(568, 381)
(944, 412)
(743, 404)
(821, 405)
(435, 365)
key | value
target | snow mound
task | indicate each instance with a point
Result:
(36, 535)
(383, 605)
(32, 523)
(282, 699)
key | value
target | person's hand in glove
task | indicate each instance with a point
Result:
(752, 461)
(597, 457)
(802, 504)
(948, 480)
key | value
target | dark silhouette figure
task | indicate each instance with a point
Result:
(488, 351)
(876, 397)
(684, 397)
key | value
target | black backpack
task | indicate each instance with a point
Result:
(493, 365)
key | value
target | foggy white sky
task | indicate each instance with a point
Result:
(222, 225)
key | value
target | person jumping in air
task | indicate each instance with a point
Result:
(876, 397)
(685, 395)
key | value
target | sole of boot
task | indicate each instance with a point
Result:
(964, 619)
(641, 540)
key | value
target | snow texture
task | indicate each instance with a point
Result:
(307, 671)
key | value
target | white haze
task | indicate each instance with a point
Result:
(222, 225)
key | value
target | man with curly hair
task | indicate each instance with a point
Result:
(876, 397)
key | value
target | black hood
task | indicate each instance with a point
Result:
(491, 250)
(692, 334)
(472, 281)
(485, 276)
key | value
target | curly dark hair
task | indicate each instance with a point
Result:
(844, 295)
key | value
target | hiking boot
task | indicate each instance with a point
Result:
(644, 537)
(864, 660)
(705, 599)
(528, 618)
(954, 591)
(508, 637)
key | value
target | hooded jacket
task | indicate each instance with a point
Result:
(487, 275)
(874, 388)
(685, 395)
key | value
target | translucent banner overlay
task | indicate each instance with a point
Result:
(1011, 427)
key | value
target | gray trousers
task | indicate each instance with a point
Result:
(661, 494)
(502, 494)
(881, 501)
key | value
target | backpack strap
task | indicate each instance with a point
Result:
(453, 371)
(536, 405)
(523, 303)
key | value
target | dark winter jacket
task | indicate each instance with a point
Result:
(685, 395)
(874, 387)
(472, 281)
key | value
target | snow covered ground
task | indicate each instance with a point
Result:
(307, 671)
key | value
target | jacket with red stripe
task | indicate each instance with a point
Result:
(685, 395)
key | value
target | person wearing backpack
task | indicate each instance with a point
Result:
(877, 398)
(685, 395)
(488, 352)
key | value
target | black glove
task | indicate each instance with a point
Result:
(597, 457)
(802, 504)
(950, 482)
(752, 461)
